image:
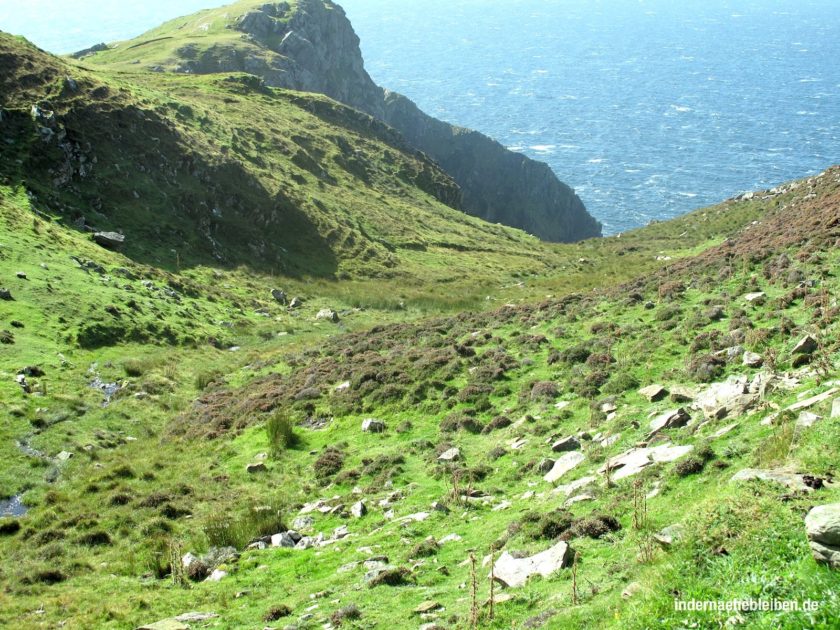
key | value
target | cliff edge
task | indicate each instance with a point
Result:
(310, 45)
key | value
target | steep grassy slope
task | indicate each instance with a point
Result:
(310, 45)
(161, 470)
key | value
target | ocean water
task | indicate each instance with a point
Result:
(648, 108)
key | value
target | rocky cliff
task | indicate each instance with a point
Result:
(311, 46)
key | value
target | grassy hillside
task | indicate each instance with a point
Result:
(137, 386)
(160, 469)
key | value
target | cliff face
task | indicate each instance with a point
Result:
(311, 46)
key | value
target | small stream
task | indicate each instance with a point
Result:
(12, 507)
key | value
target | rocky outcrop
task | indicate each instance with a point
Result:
(316, 50)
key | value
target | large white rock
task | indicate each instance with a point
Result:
(636, 459)
(371, 425)
(514, 572)
(731, 397)
(451, 455)
(786, 478)
(563, 465)
(669, 420)
(283, 540)
(823, 527)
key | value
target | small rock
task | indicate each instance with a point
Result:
(805, 346)
(669, 420)
(570, 443)
(427, 607)
(437, 506)
(451, 455)
(217, 576)
(327, 314)
(63, 456)
(21, 275)
(359, 509)
(807, 419)
(756, 299)
(563, 465)
(195, 617)
(303, 522)
(284, 539)
(669, 535)
(373, 426)
(632, 589)
(449, 538)
(753, 359)
(109, 240)
(255, 468)
(279, 295)
(5, 294)
(654, 393)
(296, 303)
(835, 408)
(683, 393)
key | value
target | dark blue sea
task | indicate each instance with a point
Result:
(648, 108)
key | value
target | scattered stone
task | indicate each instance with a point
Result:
(21, 275)
(822, 525)
(723, 431)
(654, 393)
(372, 425)
(835, 408)
(634, 588)
(453, 454)
(302, 523)
(417, 518)
(610, 440)
(577, 499)
(64, 456)
(563, 445)
(165, 624)
(569, 488)
(786, 478)
(733, 396)
(449, 538)
(279, 295)
(756, 299)
(805, 346)
(514, 572)
(669, 420)
(257, 467)
(814, 400)
(753, 360)
(427, 607)
(342, 387)
(284, 539)
(437, 506)
(517, 443)
(807, 419)
(359, 509)
(544, 465)
(5, 294)
(217, 576)
(563, 465)
(633, 461)
(669, 535)
(296, 303)
(683, 393)
(109, 240)
(327, 314)
(194, 617)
